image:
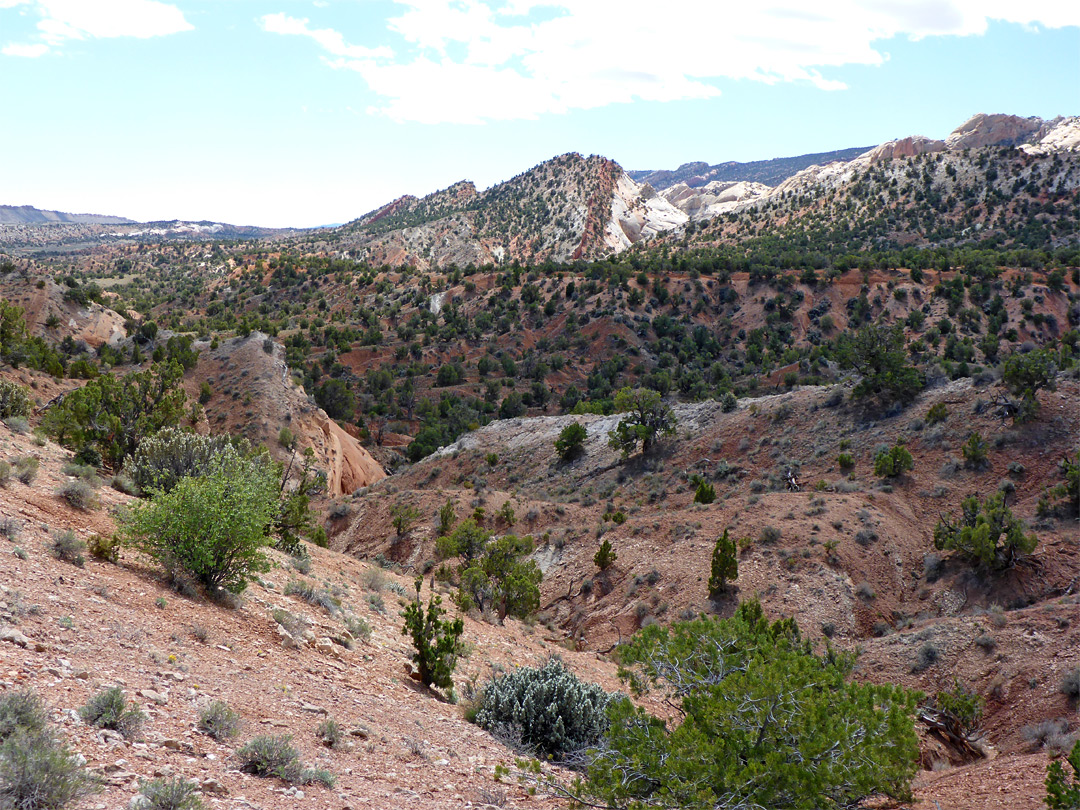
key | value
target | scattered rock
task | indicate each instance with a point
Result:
(14, 636)
(156, 697)
(213, 786)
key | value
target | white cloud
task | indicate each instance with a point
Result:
(467, 61)
(28, 50)
(64, 20)
(330, 40)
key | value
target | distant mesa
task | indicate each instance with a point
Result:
(28, 215)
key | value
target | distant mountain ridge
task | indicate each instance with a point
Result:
(28, 215)
(768, 172)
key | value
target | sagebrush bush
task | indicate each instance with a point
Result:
(23, 710)
(110, 709)
(1070, 684)
(14, 399)
(161, 460)
(38, 772)
(18, 424)
(26, 468)
(219, 721)
(170, 794)
(10, 528)
(329, 733)
(927, 656)
(312, 595)
(552, 711)
(86, 472)
(68, 548)
(358, 628)
(269, 755)
(78, 494)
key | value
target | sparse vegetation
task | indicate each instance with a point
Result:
(274, 756)
(109, 708)
(219, 721)
(172, 793)
(66, 546)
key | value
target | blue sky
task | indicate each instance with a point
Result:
(292, 112)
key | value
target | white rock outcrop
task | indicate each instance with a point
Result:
(637, 213)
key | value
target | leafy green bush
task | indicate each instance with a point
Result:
(938, 412)
(38, 772)
(725, 564)
(109, 708)
(1063, 498)
(571, 441)
(988, 534)
(877, 353)
(219, 721)
(974, 451)
(403, 516)
(1063, 793)
(705, 493)
(436, 641)
(1026, 374)
(606, 556)
(963, 704)
(756, 704)
(14, 400)
(893, 462)
(845, 461)
(176, 793)
(113, 414)
(104, 547)
(647, 418)
(549, 709)
(447, 519)
(212, 528)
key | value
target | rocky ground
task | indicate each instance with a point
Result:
(68, 631)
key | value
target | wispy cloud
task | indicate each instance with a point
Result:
(328, 39)
(65, 20)
(26, 50)
(469, 61)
